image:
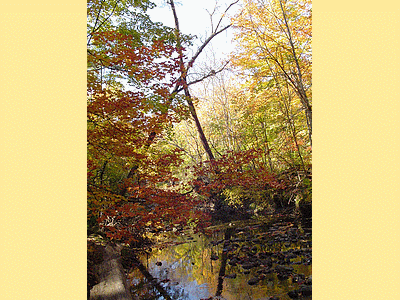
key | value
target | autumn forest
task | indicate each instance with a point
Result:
(183, 136)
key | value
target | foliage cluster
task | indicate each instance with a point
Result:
(131, 185)
(246, 137)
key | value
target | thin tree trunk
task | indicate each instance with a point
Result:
(151, 279)
(300, 86)
(268, 150)
(292, 125)
(222, 268)
(103, 169)
(186, 88)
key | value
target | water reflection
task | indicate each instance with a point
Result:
(242, 263)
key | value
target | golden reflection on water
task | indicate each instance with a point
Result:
(187, 272)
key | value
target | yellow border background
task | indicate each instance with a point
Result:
(356, 51)
(43, 150)
(356, 156)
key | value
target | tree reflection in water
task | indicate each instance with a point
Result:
(187, 271)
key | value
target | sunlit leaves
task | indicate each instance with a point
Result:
(130, 181)
(274, 37)
(234, 169)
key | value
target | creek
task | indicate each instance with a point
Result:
(233, 261)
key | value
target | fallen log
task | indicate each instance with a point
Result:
(111, 277)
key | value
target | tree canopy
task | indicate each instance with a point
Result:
(162, 146)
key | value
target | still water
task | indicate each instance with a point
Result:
(232, 261)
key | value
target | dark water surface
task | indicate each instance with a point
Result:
(233, 261)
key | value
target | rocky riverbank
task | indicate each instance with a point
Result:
(270, 260)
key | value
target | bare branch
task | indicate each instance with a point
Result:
(213, 34)
(212, 73)
(201, 48)
(211, 14)
(226, 10)
(97, 17)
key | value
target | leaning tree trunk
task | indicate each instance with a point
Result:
(192, 109)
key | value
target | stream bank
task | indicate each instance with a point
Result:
(244, 259)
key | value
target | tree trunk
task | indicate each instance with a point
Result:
(192, 109)
(299, 84)
(222, 269)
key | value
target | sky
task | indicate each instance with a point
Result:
(194, 19)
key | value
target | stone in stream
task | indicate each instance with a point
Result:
(264, 270)
(291, 256)
(266, 262)
(305, 290)
(247, 266)
(293, 294)
(282, 276)
(253, 281)
(284, 269)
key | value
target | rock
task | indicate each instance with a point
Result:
(247, 266)
(305, 290)
(284, 269)
(159, 263)
(298, 278)
(293, 294)
(267, 270)
(253, 281)
(291, 256)
(282, 276)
